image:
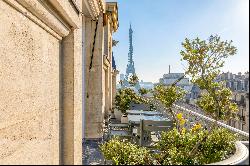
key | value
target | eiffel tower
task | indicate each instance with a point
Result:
(130, 66)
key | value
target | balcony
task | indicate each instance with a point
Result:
(94, 154)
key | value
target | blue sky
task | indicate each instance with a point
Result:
(161, 25)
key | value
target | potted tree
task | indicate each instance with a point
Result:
(122, 101)
(124, 97)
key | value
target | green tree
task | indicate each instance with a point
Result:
(133, 80)
(143, 91)
(125, 96)
(205, 59)
(168, 95)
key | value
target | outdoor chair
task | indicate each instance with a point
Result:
(119, 129)
(148, 126)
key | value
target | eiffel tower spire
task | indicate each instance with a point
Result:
(130, 66)
(131, 50)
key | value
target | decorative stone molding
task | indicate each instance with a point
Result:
(77, 5)
(38, 9)
(94, 7)
(69, 10)
(115, 72)
(112, 11)
(57, 33)
(43, 13)
(106, 61)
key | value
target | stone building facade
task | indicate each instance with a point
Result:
(46, 47)
(242, 100)
(239, 85)
(99, 74)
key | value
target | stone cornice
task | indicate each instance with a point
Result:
(56, 17)
(36, 12)
(112, 11)
(94, 7)
(39, 10)
(68, 11)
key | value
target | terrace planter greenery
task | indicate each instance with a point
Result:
(240, 157)
(126, 96)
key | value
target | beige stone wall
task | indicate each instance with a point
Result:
(43, 46)
(41, 82)
(98, 80)
(114, 80)
(29, 100)
(94, 80)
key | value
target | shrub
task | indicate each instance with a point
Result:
(175, 146)
(143, 91)
(125, 153)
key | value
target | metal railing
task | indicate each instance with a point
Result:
(194, 117)
(208, 121)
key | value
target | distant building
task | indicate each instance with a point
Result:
(239, 85)
(170, 78)
(236, 82)
(194, 94)
(242, 100)
(146, 85)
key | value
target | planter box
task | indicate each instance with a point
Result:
(118, 114)
(108, 162)
(124, 119)
(241, 156)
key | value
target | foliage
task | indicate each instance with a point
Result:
(121, 82)
(220, 106)
(168, 94)
(143, 91)
(125, 96)
(205, 58)
(175, 145)
(133, 80)
(125, 153)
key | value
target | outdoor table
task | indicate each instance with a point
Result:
(135, 119)
(141, 112)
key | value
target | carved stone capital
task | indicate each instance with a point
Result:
(112, 11)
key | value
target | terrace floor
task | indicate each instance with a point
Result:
(91, 152)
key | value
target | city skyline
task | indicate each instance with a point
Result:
(159, 28)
